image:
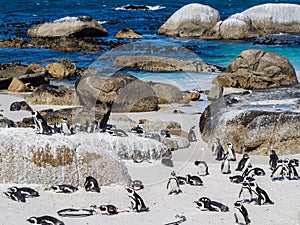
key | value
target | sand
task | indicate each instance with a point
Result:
(163, 207)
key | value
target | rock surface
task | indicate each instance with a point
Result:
(191, 20)
(123, 92)
(166, 93)
(83, 26)
(17, 85)
(254, 69)
(259, 122)
(52, 95)
(163, 64)
(16, 70)
(127, 33)
(40, 159)
(261, 21)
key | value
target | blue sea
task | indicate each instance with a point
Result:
(18, 16)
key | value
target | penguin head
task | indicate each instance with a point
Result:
(34, 113)
(238, 204)
(103, 208)
(204, 200)
(32, 219)
(229, 144)
(55, 187)
(173, 173)
(246, 156)
(13, 189)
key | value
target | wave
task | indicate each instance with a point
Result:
(140, 7)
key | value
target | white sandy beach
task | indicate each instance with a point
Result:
(163, 207)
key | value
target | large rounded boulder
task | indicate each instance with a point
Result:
(256, 122)
(82, 26)
(191, 20)
(275, 18)
(254, 69)
(26, 157)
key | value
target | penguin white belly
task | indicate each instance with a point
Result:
(225, 166)
(202, 169)
(173, 185)
(65, 129)
(239, 217)
(246, 194)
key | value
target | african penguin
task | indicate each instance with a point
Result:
(192, 135)
(292, 172)
(244, 163)
(194, 180)
(203, 168)
(65, 127)
(91, 184)
(273, 160)
(262, 196)
(26, 191)
(64, 188)
(280, 171)
(40, 124)
(231, 152)
(173, 184)
(225, 166)
(94, 127)
(45, 220)
(218, 150)
(241, 214)
(181, 180)
(205, 204)
(108, 209)
(137, 203)
(236, 179)
(15, 196)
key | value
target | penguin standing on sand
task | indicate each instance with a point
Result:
(262, 196)
(203, 168)
(137, 203)
(273, 160)
(218, 150)
(231, 152)
(241, 214)
(293, 174)
(173, 184)
(44, 220)
(192, 135)
(244, 163)
(225, 166)
(65, 127)
(40, 124)
(91, 184)
(280, 171)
